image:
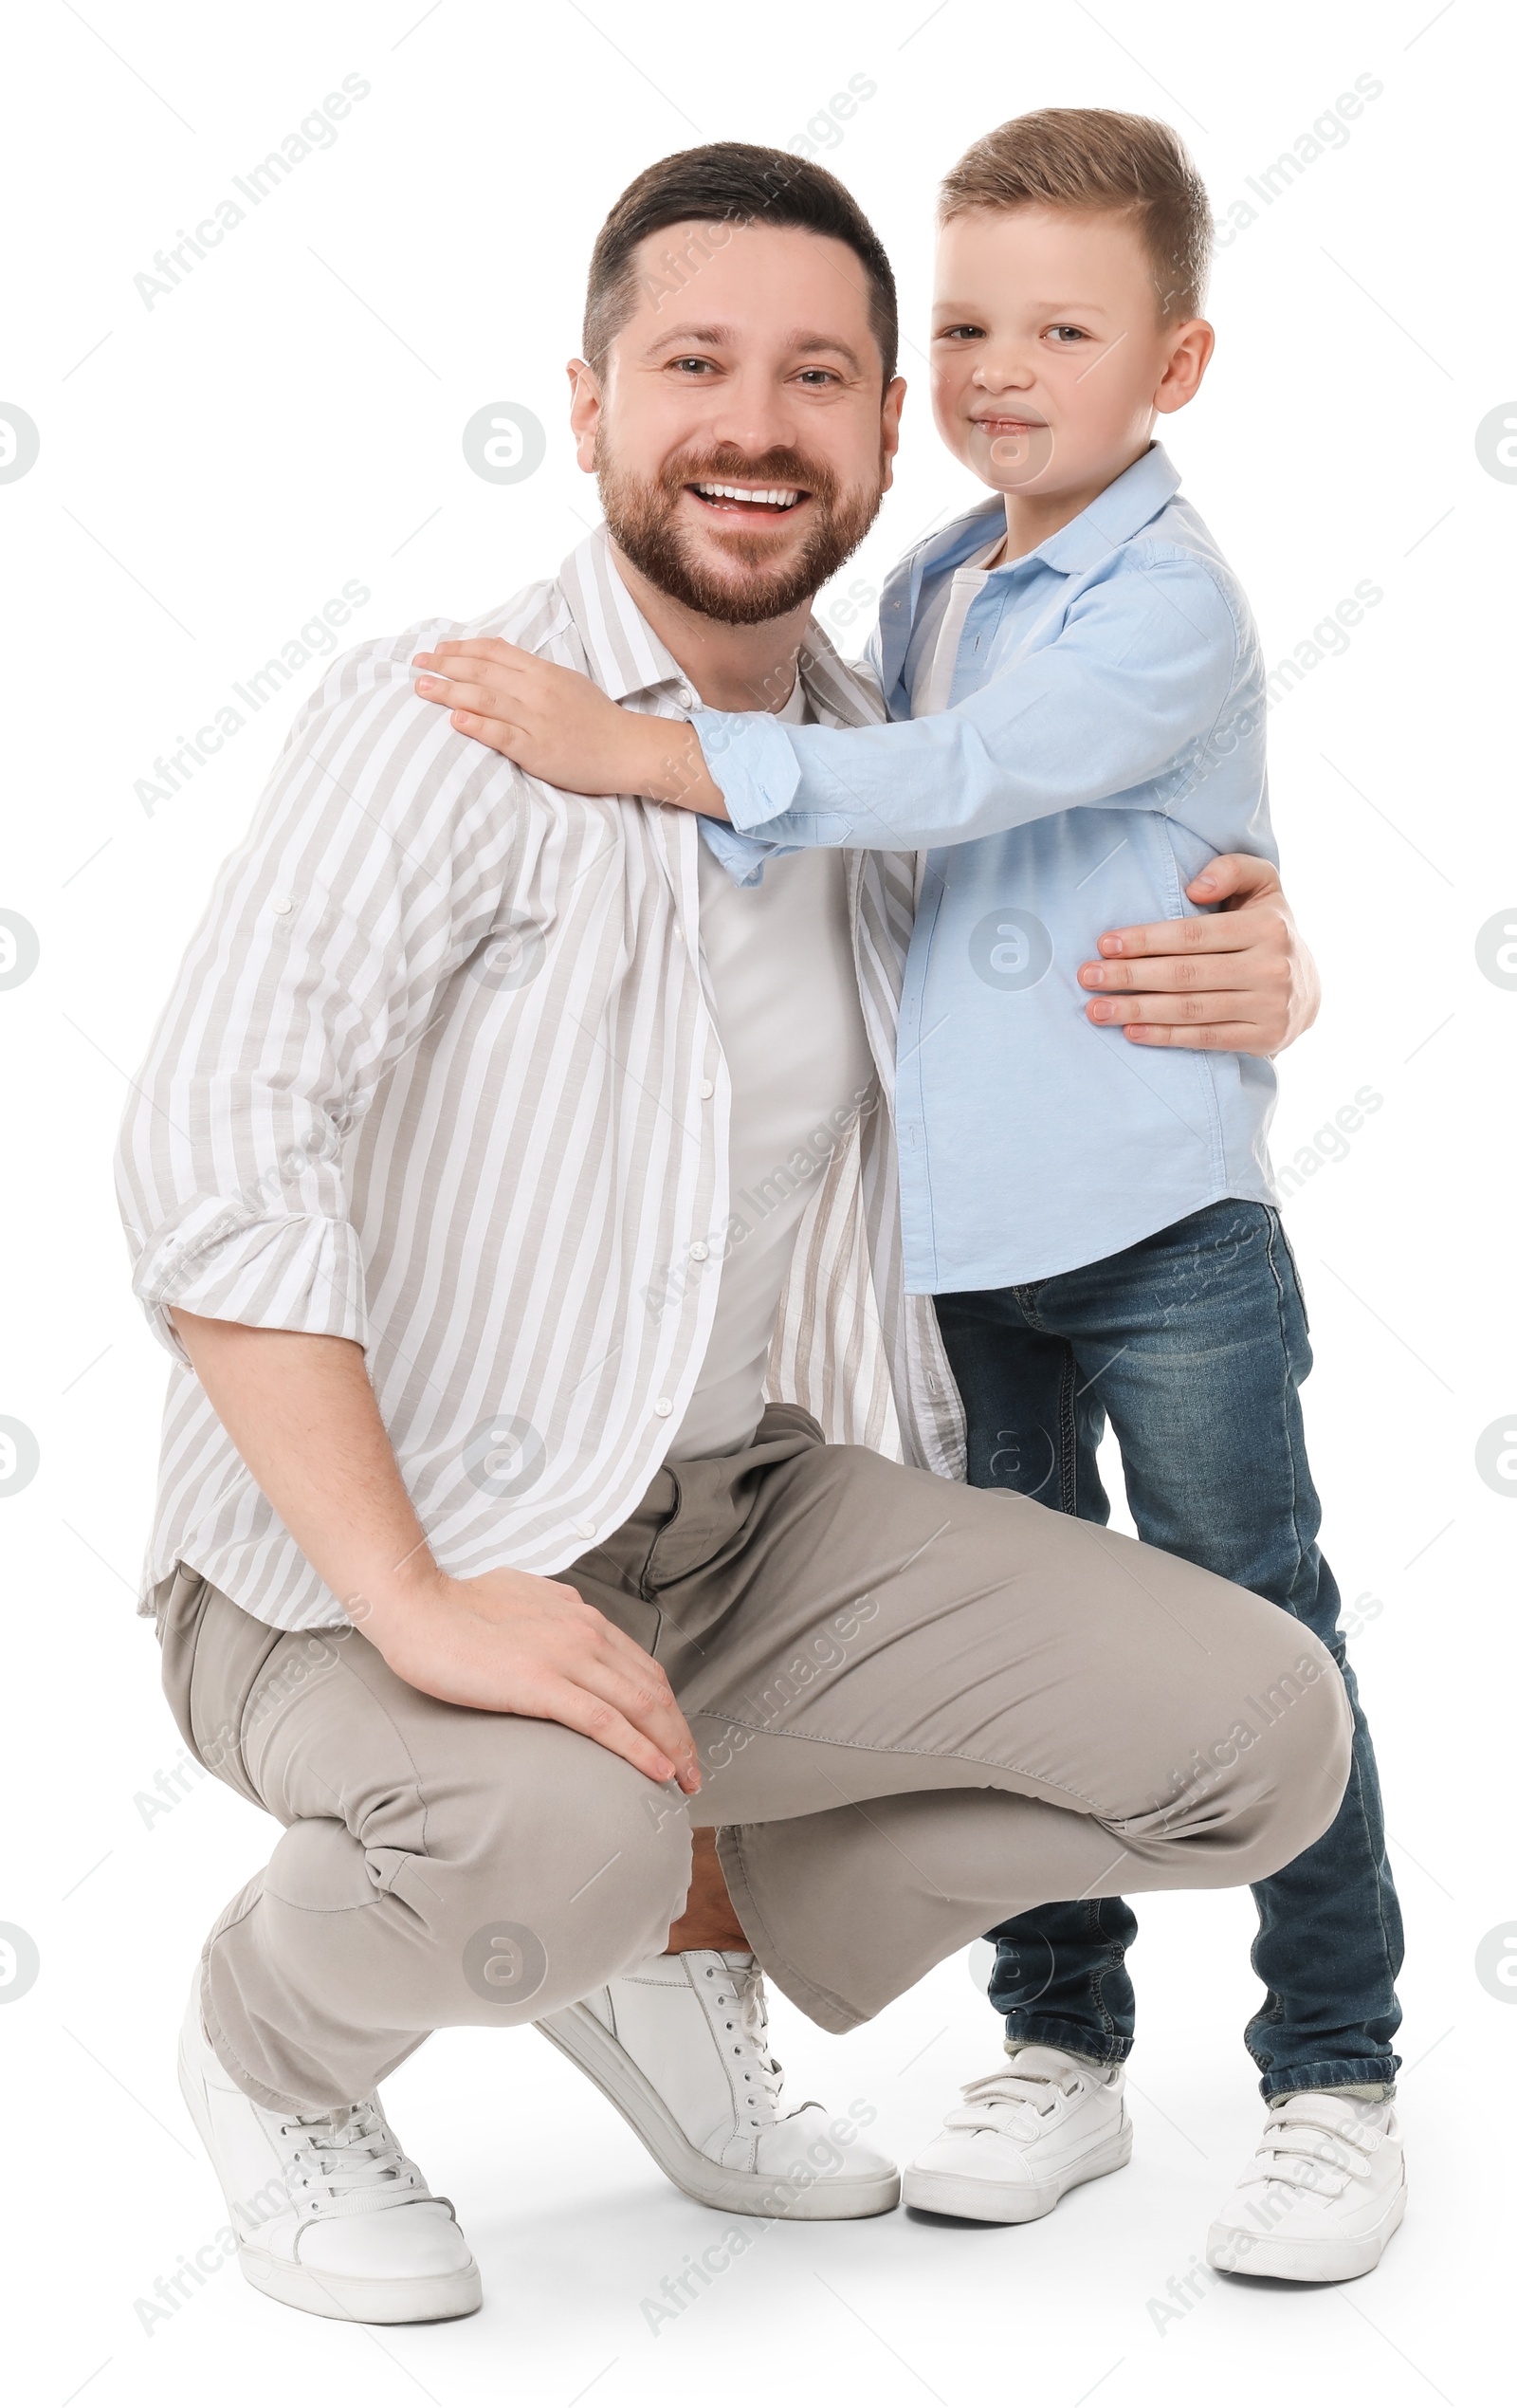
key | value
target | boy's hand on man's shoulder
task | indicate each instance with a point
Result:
(1236, 980)
(559, 726)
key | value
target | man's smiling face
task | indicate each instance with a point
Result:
(739, 429)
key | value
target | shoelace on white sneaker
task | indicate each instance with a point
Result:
(750, 2044)
(348, 2162)
(1011, 2101)
(1309, 2149)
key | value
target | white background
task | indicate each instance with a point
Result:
(212, 471)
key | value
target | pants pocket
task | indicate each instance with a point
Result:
(1289, 1253)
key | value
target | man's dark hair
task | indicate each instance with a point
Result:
(720, 185)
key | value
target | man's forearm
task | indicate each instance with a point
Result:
(303, 1417)
(301, 1414)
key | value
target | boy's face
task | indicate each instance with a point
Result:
(1048, 355)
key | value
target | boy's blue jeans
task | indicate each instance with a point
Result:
(1195, 1344)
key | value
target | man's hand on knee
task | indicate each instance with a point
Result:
(510, 1642)
(301, 1414)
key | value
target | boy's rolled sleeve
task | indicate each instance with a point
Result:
(743, 857)
(750, 755)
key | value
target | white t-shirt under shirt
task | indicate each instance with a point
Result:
(932, 655)
(933, 652)
(780, 958)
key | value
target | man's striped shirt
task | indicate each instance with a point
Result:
(439, 1074)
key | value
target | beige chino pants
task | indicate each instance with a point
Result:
(920, 1708)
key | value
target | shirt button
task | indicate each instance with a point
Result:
(663, 1407)
(699, 1251)
(584, 1528)
(283, 903)
(686, 699)
(708, 1088)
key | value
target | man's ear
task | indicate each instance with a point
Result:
(895, 394)
(584, 412)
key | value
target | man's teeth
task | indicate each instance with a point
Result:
(779, 496)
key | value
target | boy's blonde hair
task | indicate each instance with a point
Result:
(1098, 160)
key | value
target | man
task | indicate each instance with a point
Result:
(496, 1159)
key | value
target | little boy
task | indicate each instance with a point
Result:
(1078, 695)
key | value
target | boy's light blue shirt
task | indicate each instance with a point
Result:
(1105, 738)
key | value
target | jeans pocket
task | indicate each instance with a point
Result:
(1295, 1268)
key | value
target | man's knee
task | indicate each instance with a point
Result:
(1299, 1729)
(544, 1885)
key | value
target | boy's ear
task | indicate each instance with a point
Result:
(895, 394)
(1191, 345)
(584, 412)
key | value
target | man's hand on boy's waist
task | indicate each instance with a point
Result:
(1238, 980)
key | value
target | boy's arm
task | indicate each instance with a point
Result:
(1135, 684)
(1236, 978)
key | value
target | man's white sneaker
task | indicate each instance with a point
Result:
(680, 2046)
(1024, 2135)
(330, 2214)
(1321, 2197)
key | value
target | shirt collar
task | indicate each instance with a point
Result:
(622, 653)
(1114, 517)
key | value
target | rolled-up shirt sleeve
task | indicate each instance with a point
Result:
(1135, 681)
(374, 867)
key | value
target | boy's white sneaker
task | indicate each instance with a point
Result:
(329, 2213)
(680, 2046)
(1319, 2198)
(1024, 2135)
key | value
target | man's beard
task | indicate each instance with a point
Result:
(640, 513)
